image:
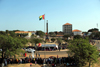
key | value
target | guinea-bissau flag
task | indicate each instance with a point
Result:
(41, 17)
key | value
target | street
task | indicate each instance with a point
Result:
(51, 53)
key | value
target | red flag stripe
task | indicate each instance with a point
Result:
(42, 16)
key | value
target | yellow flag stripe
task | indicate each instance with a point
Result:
(40, 16)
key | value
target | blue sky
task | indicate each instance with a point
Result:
(24, 14)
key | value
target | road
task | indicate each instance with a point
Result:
(51, 53)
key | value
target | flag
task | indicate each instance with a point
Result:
(41, 17)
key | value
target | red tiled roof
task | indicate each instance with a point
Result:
(22, 32)
(76, 30)
(67, 24)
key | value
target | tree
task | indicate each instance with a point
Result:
(15, 30)
(3, 32)
(59, 40)
(23, 41)
(77, 37)
(35, 41)
(66, 37)
(83, 51)
(95, 35)
(53, 39)
(52, 34)
(7, 31)
(93, 30)
(40, 33)
(12, 33)
(10, 45)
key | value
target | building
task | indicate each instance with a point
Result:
(59, 34)
(67, 29)
(77, 32)
(24, 33)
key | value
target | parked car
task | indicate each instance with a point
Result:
(30, 50)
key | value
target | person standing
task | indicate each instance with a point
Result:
(25, 54)
(39, 54)
(35, 62)
(36, 55)
(20, 60)
(57, 56)
(59, 48)
(29, 56)
(5, 60)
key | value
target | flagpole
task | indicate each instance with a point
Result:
(44, 40)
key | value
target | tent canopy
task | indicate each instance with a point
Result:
(49, 45)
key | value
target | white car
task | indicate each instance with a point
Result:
(30, 50)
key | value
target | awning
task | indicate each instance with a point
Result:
(49, 45)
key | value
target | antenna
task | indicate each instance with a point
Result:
(97, 25)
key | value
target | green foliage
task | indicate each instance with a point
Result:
(12, 33)
(7, 32)
(15, 30)
(11, 45)
(40, 33)
(23, 41)
(3, 33)
(21, 35)
(95, 35)
(52, 34)
(77, 37)
(66, 36)
(35, 40)
(53, 39)
(83, 51)
(59, 40)
(93, 30)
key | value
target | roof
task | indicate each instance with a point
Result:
(76, 30)
(49, 45)
(59, 35)
(67, 24)
(23, 32)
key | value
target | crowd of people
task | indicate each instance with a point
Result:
(67, 61)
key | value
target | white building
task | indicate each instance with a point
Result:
(77, 32)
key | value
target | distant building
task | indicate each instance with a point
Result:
(77, 32)
(67, 29)
(24, 33)
(59, 34)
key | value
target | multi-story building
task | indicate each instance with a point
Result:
(67, 29)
